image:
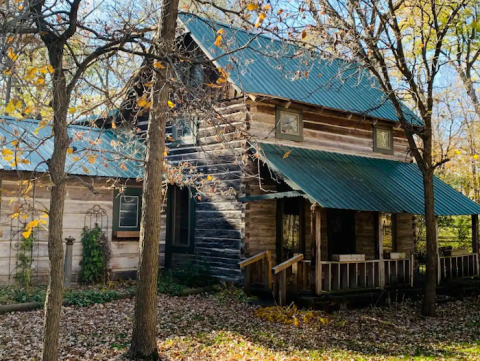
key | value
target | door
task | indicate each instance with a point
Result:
(290, 229)
(340, 231)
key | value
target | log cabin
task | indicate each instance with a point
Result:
(314, 184)
(325, 188)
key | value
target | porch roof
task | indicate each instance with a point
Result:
(342, 181)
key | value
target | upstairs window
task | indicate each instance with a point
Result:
(383, 139)
(289, 124)
(184, 131)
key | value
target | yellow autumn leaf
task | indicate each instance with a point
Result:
(50, 69)
(209, 178)
(14, 142)
(6, 152)
(27, 233)
(170, 104)
(252, 7)
(15, 215)
(69, 150)
(11, 201)
(24, 161)
(218, 40)
(7, 71)
(10, 108)
(92, 159)
(212, 85)
(458, 152)
(142, 101)
(158, 65)
(475, 156)
(11, 54)
(114, 125)
(40, 80)
(72, 110)
(149, 84)
(28, 110)
(262, 16)
(220, 31)
(85, 169)
(286, 154)
(32, 224)
(42, 221)
(75, 159)
(44, 215)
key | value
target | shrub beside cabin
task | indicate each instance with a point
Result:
(315, 186)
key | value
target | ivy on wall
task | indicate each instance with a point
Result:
(95, 256)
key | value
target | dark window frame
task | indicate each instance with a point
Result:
(190, 139)
(170, 245)
(376, 149)
(133, 192)
(278, 125)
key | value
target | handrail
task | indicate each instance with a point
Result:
(253, 259)
(287, 263)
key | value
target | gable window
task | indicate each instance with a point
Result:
(184, 131)
(383, 139)
(289, 124)
(127, 207)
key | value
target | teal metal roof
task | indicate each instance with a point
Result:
(277, 69)
(115, 153)
(360, 183)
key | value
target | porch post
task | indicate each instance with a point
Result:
(378, 232)
(316, 241)
(475, 247)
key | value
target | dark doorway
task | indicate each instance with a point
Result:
(340, 231)
(290, 228)
(180, 222)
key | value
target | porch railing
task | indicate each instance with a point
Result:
(251, 264)
(454, 267)
(280, 281)
(398, 272)
(339, 276)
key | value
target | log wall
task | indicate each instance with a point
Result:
(327, 130)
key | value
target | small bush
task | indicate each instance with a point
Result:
(228, 293)
(167, 284)
(22, 295)
(95, 256)
(193, 274)
(87, 298)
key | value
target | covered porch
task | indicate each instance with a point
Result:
(346, 223)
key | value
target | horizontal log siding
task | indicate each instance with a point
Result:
(124, 253)
(219, 219)
(326, 130)
(364, 234)
(405, 234)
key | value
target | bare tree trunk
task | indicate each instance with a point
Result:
(144, 342)
(428, 306)
(53, 301)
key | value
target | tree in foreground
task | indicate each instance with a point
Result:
(61, 33)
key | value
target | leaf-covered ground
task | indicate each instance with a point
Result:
(202, 328)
